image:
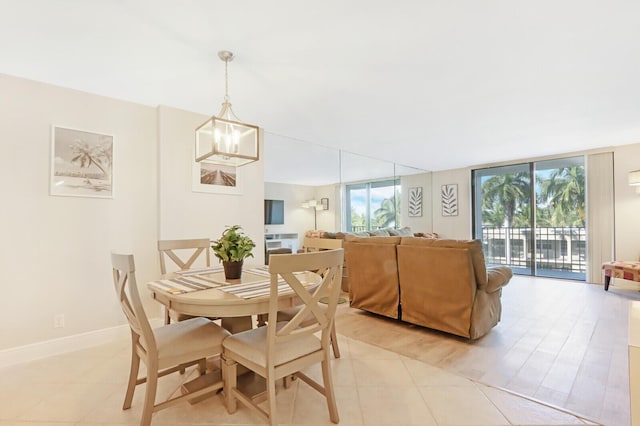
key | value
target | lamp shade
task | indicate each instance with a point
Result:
(634, 178)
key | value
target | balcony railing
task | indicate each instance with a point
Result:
(560, 251)
(357, 228)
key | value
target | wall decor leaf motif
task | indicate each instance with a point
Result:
(449, 194)
(415, 202)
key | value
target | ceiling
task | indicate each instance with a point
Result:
(429, 84)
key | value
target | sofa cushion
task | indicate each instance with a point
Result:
(498, 277)
(372, 240)
(379, 233)
(474, 247)
(426, 234)
(402, 232)
(373, 274)
(344, 235)
(437, 287)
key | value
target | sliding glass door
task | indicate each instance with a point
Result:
(502, 213)
(531, 217)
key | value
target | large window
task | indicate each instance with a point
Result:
(373, 205)
(531, 217)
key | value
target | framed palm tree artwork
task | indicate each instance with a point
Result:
(81, 163)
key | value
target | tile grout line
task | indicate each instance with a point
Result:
(537, 401)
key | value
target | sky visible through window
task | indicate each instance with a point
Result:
(359, 198)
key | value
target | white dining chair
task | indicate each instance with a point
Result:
(163, 350)
(289, 313)
(176, 251)
(282, 349)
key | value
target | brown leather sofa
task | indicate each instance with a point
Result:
(440, 284)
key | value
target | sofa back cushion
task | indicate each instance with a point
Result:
(437, 287)
(372, 240)
(402, 232)
(373, 274)
(474, 247)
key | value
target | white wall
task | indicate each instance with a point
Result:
(188, 214)
(456, 227)
(55, 256)
(55, 253)
(422, 223)
(296, 218)
(627, 210)
(329, 220)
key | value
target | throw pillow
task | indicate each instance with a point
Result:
(402, 232)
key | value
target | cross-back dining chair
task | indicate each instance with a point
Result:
(163, 350)
(289, 313)
(313, 245)
(174, 249)
(282, 349)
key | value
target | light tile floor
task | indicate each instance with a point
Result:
(374, 386)
(560, 342)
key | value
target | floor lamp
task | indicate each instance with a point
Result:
(312, 204)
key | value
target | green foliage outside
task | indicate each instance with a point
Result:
(560, 199)
(383, 217)
(233, 245)
(358, 221)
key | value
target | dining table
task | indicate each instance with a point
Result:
(206, 292)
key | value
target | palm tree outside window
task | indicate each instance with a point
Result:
(373, 205)
(531, 216)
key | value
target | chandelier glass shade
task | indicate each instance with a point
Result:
(224, 139)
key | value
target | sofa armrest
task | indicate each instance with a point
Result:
(498, 277)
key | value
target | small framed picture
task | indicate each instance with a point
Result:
(449, 194)
(81, 163)
(325, 203)
(415, 202)
(216, 178)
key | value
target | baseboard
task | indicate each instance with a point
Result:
(31, 352)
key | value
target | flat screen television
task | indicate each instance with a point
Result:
(274, 212)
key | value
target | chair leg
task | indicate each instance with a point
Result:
(167, 316)
(334, 342)
(271, 400)
(329, 391)
(149, 395)
(607, 280)
(230, 379)
(133, 377)
(287, 380)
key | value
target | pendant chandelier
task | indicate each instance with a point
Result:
(224, 139)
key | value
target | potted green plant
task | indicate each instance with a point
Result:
(232, 247)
